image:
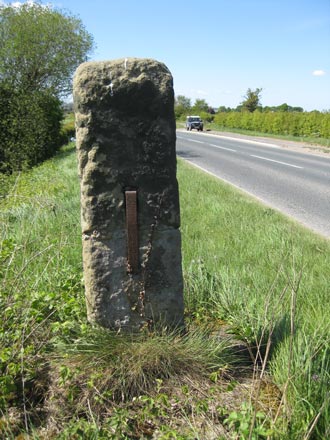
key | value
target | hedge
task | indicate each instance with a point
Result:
(30, 128)
(307, 124)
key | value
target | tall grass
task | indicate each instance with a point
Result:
(41, 293)
(243, 264)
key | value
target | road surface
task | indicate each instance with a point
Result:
(297, 184)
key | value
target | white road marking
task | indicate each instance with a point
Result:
(248, 141)
(251, 155)
(212, 145)
(222, 148)
(277, 161)
(198, 142)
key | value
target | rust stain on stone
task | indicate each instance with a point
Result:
(132, 232)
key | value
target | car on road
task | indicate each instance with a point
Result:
(194, 122)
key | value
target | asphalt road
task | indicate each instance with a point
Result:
(297, 184)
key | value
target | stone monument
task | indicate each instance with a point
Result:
(125, 133)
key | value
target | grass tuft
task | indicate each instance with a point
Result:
(129, 365)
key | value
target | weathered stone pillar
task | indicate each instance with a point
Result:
(129, 195)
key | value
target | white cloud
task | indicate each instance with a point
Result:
(28, 2)
(19, 4)
(318, 73)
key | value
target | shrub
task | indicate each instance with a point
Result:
(314, 124)
(207, 117)
(30, 125)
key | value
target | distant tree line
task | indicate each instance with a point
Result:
(303, 124)
(184, 108)
(39, 50)
(250, 115)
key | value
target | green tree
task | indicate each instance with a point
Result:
(283, 107)
(224, 109)
(39, 50)
(40, 47)
(251, 100)
(297, 109)
(182, 106)
(200, 106)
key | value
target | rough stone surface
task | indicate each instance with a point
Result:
(125, 131)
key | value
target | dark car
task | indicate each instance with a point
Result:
(194, 122)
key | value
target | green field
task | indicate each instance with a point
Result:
(253, 364)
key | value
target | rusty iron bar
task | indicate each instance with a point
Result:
(132, 232)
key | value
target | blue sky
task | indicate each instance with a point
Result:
(217, 49)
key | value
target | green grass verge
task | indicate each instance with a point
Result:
(269, 278)
(244, 265)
